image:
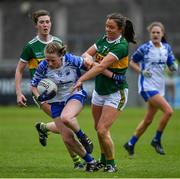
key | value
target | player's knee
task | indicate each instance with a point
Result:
(101, 131)
(65, 119)
(170, 112)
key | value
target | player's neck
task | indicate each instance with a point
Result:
(45, 38)
(157, 45)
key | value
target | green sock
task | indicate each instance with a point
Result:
(76, 159)
(103, 158)
(111, 162)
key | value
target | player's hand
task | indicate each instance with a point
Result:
(44, 96)
(21, 100)
(173, 67)
(119, 78)
(88, 61)
(77, 85)
(146, 73)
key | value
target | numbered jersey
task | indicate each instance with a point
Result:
(65, 76)
(33, 52)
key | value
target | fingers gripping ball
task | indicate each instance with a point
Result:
(47, 89)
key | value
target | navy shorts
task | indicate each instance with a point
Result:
(57, 107)
(148, 94)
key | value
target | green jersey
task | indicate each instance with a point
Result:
(118, 48)
(33, 52)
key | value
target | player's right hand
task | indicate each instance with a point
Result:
(21, 100)
(45, 96)
(146, 73)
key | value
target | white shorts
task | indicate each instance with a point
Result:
(116, 100)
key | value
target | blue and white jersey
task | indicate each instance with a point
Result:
(155, 60)
(65, 76)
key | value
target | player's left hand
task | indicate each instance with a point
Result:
(77, 85)
(119, 78)
(173, 67)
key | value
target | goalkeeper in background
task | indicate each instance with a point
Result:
(150, 61)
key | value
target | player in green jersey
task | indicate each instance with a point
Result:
(111, 52)
(32, 54)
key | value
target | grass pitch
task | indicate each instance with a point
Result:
(21, 155)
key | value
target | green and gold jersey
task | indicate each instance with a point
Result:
(118, 48)
(33, 52)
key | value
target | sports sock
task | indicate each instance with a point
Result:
(158, 136)
(88, 158)
(133, 140)
(111, 162)
(76, 159)
(80, 133)
(103, 158)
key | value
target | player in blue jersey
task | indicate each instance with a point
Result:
(32, 54)
(150, 61)
(64, 70)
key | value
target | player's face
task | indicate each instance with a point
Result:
(53, 60)
(156, 35)
(43, 25)
(112, 29)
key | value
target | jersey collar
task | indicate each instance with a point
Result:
(45, 42)
(112, 41)
(154, 45)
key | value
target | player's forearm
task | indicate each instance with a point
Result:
(18, 79)
(106, 72)
(18, 76)
(34, 91)
(135, 66)
(92, 73)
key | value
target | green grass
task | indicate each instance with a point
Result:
(21, 156)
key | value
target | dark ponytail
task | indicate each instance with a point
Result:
(124, 24)
(129, 31)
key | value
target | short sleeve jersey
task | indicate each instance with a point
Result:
(119, 49)
(33, 52)
(155, 60)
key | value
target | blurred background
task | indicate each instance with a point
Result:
(79, 23)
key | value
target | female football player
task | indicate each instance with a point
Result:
(64, 70)
(150, 61)
(32, 54)
(111, 51)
